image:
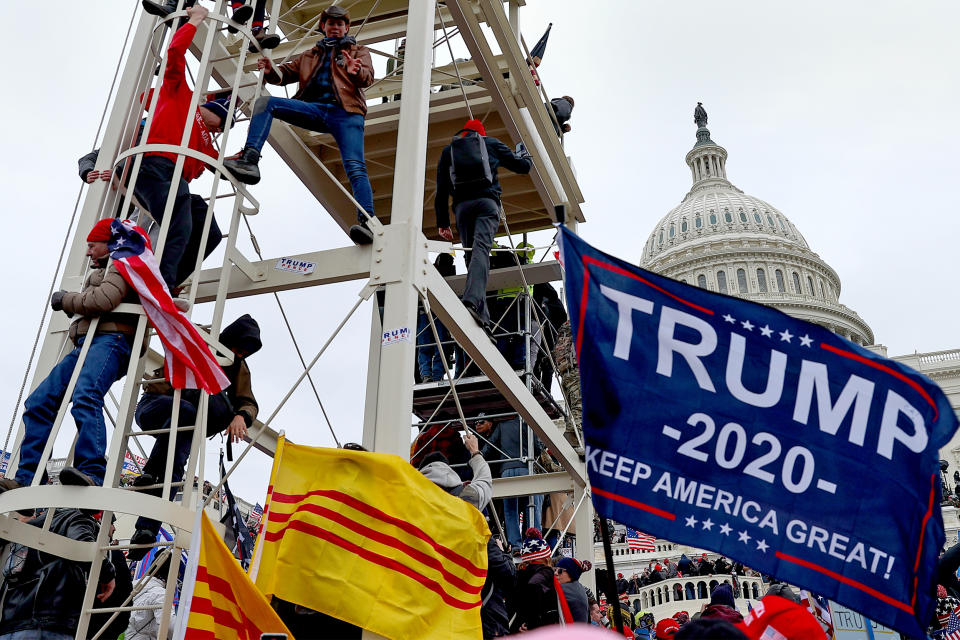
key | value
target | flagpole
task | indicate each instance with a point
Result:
(611, 586)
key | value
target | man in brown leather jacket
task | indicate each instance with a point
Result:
(105, 363)
(232, 411)
(332, 76)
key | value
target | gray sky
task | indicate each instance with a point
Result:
(838, 114)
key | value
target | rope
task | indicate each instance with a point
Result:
(455, 66)
(273, 415)
(293, 338)
(66, 241)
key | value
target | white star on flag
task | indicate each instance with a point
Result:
(747, 325)
(785, 335)
(729, 318)
(708, 525)
(121, 241)
(766, 331)
(691, 521)
(805, 340)
(762, 545)
(725, 529)
(744, 537)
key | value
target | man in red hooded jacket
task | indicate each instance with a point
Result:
(156, 169)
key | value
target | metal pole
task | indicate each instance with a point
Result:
(395, 383)
(611, 586)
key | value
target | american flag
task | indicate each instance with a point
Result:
(819, 609)
(948, 613)
(256, 514)
(188, 363)
(640, 541)
(236, 536)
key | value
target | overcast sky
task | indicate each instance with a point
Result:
(841, 115)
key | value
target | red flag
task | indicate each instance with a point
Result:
(188, 363)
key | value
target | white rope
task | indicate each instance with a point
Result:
(455, 66)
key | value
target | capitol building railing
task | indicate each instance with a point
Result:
(690, 593)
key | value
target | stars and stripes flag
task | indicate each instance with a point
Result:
(256, 514)
(819, 609)
(948, 615)
(188, 363)
(640, 541)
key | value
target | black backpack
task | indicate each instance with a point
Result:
(469, 163)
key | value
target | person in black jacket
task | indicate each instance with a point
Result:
(535, 599)
(501, 574)
(477, 209)
(562, 109)
(124, 587)
(506, 446)
(43, 592)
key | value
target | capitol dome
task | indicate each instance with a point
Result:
(721, 239)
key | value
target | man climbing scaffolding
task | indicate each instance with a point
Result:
(157, 168)
(467, 170)
(332, 76)
(105, 363)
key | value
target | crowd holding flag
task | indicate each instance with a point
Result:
(219, 601)
(752, 421)
(333, 515)
(188, 363)
(640, 541)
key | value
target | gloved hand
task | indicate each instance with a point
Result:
(521, 151)
(56, 300)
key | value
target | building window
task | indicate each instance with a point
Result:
(683, 225)
(813, 291)
(722, 281)
(661, 238)
(796, 282)
(702, 281)
(742, 280)
(713, 218)
(822, 294)
(698, 222)
(770, 220)
(756, 216)
(727, 216)
(743, 216)
(762, 280)
(782, 226)
(781, 287)
(673, 230)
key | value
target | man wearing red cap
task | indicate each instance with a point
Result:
(476, 204)
(332, 76)
(157, 167)
(105, 363)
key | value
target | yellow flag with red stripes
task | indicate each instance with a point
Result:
(219, 601)
(364, 537)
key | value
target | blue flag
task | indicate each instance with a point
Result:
(718, 422)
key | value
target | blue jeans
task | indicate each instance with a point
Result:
(345, 127)
(511, 512)
(106, 363)
(153, 413)
(429, 357)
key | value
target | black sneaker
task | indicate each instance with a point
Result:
(243, 166)
(140, 536)
(146, 480)
(240, 16)
(159, 9)
(361, 234)
(73, 477)
(484, 324)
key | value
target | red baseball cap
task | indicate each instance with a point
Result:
(667, 627)
(776, 617)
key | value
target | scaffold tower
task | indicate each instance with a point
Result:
(413, 112)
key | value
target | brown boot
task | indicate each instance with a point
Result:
(8, 483)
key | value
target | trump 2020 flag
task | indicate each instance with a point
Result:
(187, 361)
(719, 422)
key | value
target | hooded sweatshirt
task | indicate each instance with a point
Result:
(477, 492)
